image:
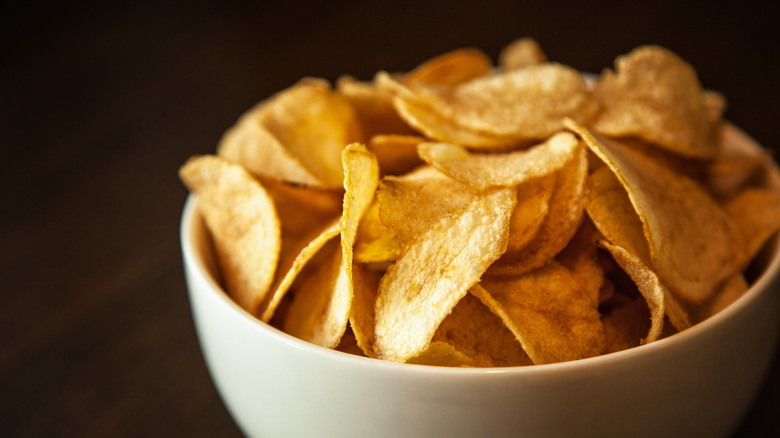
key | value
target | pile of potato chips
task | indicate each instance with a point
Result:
(468, 213)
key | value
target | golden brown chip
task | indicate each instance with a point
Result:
(302, 209)
(374, 107)
(319, 309)
(757, 214)
(293, 262)
(451, 69)
(554, 320)
(242, 220)
(670, 206)
(440, 353)
(396, 154)
(611, 211)
(420, 289)
(509, 169)
(365, 283)
(559, 226)
(728, 292)
(375, 242)
(657, 96)
(410, 203)
(521, 53)
(475, 331)
(533, 206)
(581, 258)
(527, 103)
(626, 324)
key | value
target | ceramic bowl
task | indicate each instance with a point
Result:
(697, 383)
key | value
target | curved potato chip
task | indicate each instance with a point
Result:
(436, 271)
(657, 96)
(521, 53)
(533, 206)
(581, 258)
(548, 313)
(528, 103)
(365, 283)
(242, 220)
(757, 214)
(419, 114)
(440, 353)
(303, 208)
(249, 144)
(319, 309)
(626, 324)
(475, 331)
(315, 124)
(411, 202)
(559, 226)
(451, 68)
(291, 266)
(670, 206)
(507, 169)
(731, 289)
(611, 211)
(376, 242)
(374, 107)
(396, 154)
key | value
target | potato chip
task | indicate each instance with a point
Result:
(528, 103)
(440, 353)
(320, 307)
(729, 291)
(410, 203)
(475, 331)
(626, 324)
(559, 226)
(581, 258)
(756, 212)
(420, 289)
(554, 320)
(373, 106)
(671, 205)
(249, 144)
(521, 53)
(292, 265)
(533, 206)
(396, 154)
(451, 69)
(657, 96)
(365, 283)
(242, 220)
(375, 242)
(302, 209)
(481, 170)
(431, 123)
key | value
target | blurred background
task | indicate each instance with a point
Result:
(101, 102)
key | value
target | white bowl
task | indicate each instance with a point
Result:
(697, 383)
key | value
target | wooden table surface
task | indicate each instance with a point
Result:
(100, 104)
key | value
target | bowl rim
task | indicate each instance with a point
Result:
(192, 225)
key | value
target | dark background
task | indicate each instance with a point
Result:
(101, 103)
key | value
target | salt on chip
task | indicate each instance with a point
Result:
(656, 95)
(481, 170)
(451, 69)
(435, 271)
(554, 320)
(669, 206)
(559, 226)
(243, 223)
